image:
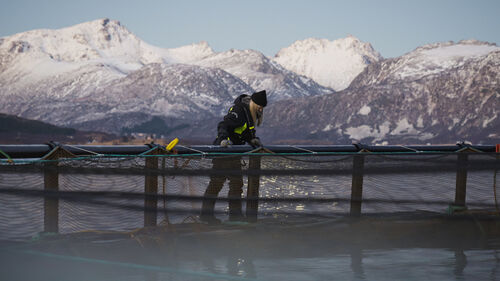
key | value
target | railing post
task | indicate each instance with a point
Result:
(253, 189)
(357, 184)
(151, 190)
(461, 183)
(51, 184)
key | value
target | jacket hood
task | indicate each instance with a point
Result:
(243, 99)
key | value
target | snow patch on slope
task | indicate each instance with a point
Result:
(404, 128)
(365, 110)
(365, 131)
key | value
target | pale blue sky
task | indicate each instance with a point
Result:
(392, 27)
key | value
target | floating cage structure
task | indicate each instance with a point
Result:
(73, 188)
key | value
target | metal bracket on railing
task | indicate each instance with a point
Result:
(259, 149)
(57, 151)
(362, 148)
(154, 149)
(465, 146)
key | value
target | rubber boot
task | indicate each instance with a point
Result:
(210, 197)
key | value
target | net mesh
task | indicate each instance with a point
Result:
(121, 193)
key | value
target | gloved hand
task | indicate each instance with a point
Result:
(225, 143)
(256, 142)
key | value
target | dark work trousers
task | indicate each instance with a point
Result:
(217, 182)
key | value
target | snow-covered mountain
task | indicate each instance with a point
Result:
(94, 70)
(332, 64)
(438, 93)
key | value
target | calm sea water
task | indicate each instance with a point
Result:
(323, 249)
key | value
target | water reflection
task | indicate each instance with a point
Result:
(357, 263)
(460, 263)
(243, 267)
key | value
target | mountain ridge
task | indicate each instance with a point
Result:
(436, 93)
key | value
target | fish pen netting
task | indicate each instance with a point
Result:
(109, 193)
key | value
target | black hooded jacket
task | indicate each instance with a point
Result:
(238, 125)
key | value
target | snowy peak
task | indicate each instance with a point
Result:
(438, 57)
(43, 53)
(100, 42)
(462, 43)
(324, 45)
(431, 59)
(82, 42)
(330, 63)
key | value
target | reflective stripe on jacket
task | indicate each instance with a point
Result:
(238, 124)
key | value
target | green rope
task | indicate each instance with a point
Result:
(135, 266)
(6, 156)
(146, 153)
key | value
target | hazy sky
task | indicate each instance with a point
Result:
(393, 27)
